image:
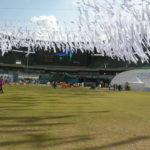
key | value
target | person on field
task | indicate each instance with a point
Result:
(54, 84)
(1, 85)
(119, 87)
(127, 86)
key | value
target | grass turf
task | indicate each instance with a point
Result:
(42, 118)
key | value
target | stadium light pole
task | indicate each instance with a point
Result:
(105, 66)
(27, 65)
(28, 57)
(27, 61)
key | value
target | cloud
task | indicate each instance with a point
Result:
(46, 23)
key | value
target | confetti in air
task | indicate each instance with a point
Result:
(115, 28)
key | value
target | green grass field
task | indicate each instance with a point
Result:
(41, 118)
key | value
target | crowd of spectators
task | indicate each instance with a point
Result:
(119, 87)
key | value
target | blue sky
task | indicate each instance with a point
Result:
(22, 10)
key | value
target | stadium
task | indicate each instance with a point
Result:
(81, 84)
(47, 66)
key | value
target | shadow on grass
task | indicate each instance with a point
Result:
(16, 102)
(81, 112)
(68, 103)
(18, 109)
(8, 107)
(18, 106)
(124, 142)
(16, 98)
(20, 131)
(35, 119)
(42, 140)
(34, 125)
(80, 103)
(98, 112)
(72, 139)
